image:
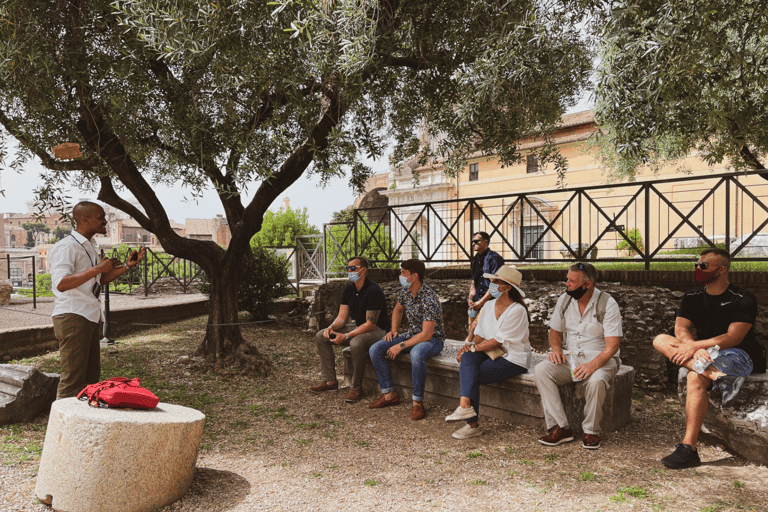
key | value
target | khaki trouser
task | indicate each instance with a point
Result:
(79, 351)
(359, 346)
(548, 375)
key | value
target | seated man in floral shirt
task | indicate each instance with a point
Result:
(423, 340)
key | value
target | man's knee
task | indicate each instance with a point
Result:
(696, 382)
(543, 370)
(662, 341)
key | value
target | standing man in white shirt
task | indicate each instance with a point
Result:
(589, 321)
(77, 276)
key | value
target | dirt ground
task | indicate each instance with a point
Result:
(269, 444)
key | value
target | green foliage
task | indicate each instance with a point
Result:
(43, 283)
(340, 242)
(35, 227)
(60, 233)
(280, 228)
(267, 281)
(586, 476)
(680, 76)
(637, 239)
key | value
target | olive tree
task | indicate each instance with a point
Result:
(255, 94)
(681, 76)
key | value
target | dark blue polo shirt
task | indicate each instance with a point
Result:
(369, 298)
(486, 263)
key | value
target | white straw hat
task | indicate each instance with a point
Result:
(509, 275)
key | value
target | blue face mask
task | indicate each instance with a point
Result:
(353, 276)
(493, 288)
(404, 282)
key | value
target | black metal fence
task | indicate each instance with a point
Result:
(628, 222)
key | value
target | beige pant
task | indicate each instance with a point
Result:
(359, 346)
(79, 351)
(548, 375)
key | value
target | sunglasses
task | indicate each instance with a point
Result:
(479, 241)
(581, 267)
(352, 268)
(704, 265)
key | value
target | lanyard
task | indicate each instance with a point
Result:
(94, 263)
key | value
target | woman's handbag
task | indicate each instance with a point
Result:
(495, 353)
(119, 392)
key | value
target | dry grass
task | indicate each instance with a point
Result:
(270, 444)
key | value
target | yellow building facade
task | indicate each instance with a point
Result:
(533, 218)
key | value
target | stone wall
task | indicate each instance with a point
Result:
(646, 312)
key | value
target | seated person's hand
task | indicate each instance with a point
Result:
(556, 357)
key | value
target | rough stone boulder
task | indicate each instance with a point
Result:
(25, 392)
(6, 289)
(742, 426)
(114, 460)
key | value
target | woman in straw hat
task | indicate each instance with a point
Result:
(497, 347)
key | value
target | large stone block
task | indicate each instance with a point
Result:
(742, 425)
(25, 392)
(121, 460)
(515, 400)
(6, 289)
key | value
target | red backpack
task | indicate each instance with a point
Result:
(119, 392)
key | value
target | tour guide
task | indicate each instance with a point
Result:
(77, 276)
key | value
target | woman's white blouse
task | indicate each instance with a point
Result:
(510, 329)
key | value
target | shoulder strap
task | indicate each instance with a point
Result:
(564, 306)
(602, 305)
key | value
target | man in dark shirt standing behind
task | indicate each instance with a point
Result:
(486, 261)
(723, 316)
(363, 301)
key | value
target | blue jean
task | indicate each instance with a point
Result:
(419, 355)
(477, 368)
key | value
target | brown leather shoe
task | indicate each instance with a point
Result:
(557, 436)
(384, 402)
(591, 441)
(418, 410)
(353, 396)
(324, 386)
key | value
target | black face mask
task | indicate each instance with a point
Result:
(577, 293)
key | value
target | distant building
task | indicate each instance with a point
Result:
(216, 230)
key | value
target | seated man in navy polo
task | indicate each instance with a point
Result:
(423, 340)
(364, 302)
(723, 352)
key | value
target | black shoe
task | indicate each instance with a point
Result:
(683, 457)
(729, 387)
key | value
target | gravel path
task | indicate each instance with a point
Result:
(21, 313)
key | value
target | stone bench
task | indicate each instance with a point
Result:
(104, 460)
(516, 400)
(742, 425)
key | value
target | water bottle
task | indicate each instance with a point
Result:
(472, 313)
(700, 366)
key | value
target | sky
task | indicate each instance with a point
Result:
(320, 202)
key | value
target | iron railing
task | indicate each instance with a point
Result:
(630, 222)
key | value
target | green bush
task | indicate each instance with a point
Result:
(267, 281)
(634, 235)
(43, 283)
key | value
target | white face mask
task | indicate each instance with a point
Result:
(493, 288)
(404, 282)
(353, 276)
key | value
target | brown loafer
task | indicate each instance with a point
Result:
(384, 402)
(353, 396)
(591, 441)
(557, 436)
(418, 410)
(324, 386)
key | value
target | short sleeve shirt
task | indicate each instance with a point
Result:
(370, 297)
(510, 329)
(424, 307)
(71, 255)
(711, 315)
(485, 263)
(585, 332)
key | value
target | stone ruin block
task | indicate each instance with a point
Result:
(25, 392)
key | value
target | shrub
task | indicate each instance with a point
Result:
(634, 235)
(267, 281)
(43, 283)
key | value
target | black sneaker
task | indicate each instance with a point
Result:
(729, 387)
(683, 457)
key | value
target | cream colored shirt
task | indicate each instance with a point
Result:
(583, 333)
(72, 255)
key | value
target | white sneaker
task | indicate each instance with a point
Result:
(466, 432)
(461, 413)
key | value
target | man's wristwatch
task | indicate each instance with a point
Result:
(402, 344)
(472, 348)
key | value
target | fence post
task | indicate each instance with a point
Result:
(106, 329)
(647, 227)
(146, 281)
(34, 283)
(8, 266)
(728, 215)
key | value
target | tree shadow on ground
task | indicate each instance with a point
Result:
(213, 490)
